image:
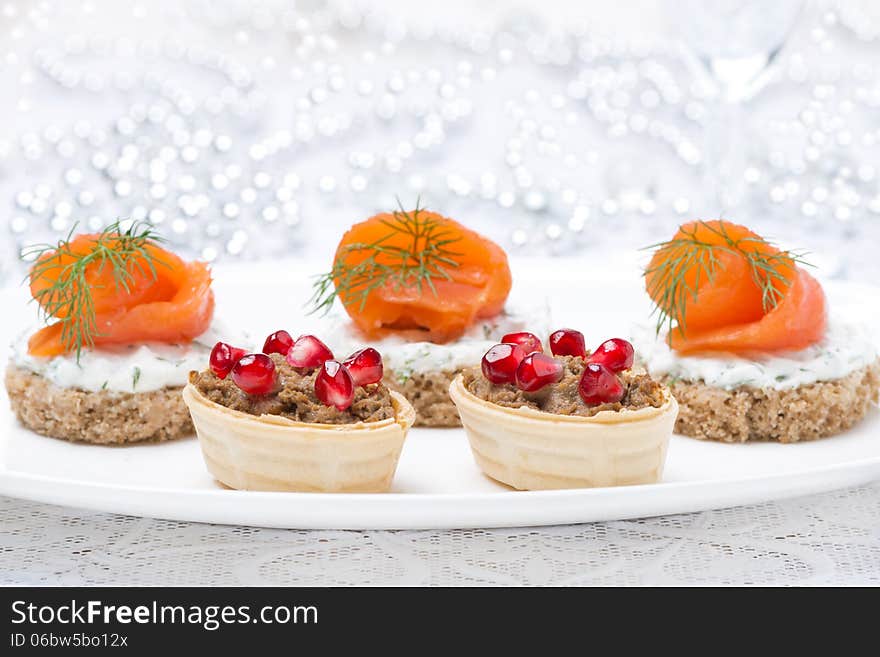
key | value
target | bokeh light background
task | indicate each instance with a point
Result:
(248, 130)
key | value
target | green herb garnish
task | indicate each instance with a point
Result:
(424, 257)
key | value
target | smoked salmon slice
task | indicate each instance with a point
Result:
(419, 271)
(164, 299)
(724, 288)
(144, 282)
(798, 321)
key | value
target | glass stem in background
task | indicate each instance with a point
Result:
(725, 156)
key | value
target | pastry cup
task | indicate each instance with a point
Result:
(274, 453)
(534, 450)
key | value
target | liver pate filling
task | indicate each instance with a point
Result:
(563, 398)
(294, 397)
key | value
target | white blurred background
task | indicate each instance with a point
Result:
(248, 130)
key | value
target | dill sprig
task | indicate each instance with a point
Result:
(424, 256)
(69, 298)
(668, 281)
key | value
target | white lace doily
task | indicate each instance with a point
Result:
(828, 539)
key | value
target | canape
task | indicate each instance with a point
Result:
(573, 419)
(292, 418)
(126, 321)
(426, 291)
(746, 343)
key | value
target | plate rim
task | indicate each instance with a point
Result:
(414, 511)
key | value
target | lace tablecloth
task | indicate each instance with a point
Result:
(828, 539)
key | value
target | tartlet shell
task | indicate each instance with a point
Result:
(274, 453)
(533, 450)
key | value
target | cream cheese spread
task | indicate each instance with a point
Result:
(126, 368)
(845, 349)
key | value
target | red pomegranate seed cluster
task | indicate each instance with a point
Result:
(520, 360)
(335, 383)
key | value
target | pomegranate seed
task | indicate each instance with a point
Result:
(536, 371)
(255, 374)
(223, 358)
(279, 342)
(334, 385)
(615, 354)
(500, 362)
(528, 341)
(365, 366)
(568, 342)
(308, 351)
(599, 385)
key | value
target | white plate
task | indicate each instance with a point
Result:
(437, 483)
